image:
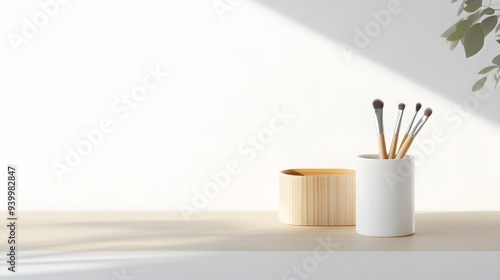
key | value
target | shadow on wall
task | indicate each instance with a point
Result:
(408, 41)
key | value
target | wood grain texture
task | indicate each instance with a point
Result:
(319, 197)
(240, 231)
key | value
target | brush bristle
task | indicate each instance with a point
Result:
(378, 104)
(428, 112)
(418, 107)
(401, 106)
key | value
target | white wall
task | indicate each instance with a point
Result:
(226, 80)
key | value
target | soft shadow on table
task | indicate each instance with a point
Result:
(259, 231)
(214, 236)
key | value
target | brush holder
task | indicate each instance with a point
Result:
(385, 196)
(318, 197)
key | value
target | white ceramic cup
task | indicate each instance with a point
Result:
(385, 196)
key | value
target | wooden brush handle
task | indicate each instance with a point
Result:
(394, 146)
(403, 140)
(404, 148)
(381, 147)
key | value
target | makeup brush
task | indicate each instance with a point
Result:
(406, 145)
(394, 144)
(417, 108)
(378, 105)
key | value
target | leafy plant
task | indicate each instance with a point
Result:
(477, 22)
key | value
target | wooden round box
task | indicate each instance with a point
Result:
(318, 197)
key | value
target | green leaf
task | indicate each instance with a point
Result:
(472, 5)
(496, 60)
(453, 1)
(487, 11)
(461, 29)
(461, 8)
(498, 41)
(488, 24)
(488, 69)
(475, 16)
(479, 84)
(450, 30)
(454, 44)
(473, 40)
